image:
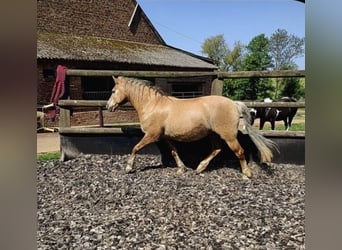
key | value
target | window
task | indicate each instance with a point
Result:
(49, 74)
(97, 88)
(187, 90)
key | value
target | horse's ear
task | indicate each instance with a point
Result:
(115, 79)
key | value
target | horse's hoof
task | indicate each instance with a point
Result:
(129, 170)
(248, 173)
(199, 171)
(181, 170)
(244, 177)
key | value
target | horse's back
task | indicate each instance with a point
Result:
(217, 105)
(222, 112)
(217, 100)
(209, 110)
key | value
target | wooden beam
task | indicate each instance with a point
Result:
(90, 103)
(282, 133)
(275, 104)
(96, 130)
(115, 129)
(170, 74)
(134, 73)
(82, 103)
(261, 74)
(100, 103)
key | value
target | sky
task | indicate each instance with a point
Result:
(185, 24)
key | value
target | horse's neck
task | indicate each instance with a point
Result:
(141, 98)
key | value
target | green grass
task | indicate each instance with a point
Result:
(48, 156)
(294, 127)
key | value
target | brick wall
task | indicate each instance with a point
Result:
(87, 118)
(92, 117)
(105, 18)
(44, 86)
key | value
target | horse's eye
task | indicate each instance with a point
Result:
(113, 91)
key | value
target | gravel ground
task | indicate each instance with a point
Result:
(90, 203)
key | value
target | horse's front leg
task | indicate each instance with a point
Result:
(215, 144)
(147, 139)
(181, 166)
(203, 164)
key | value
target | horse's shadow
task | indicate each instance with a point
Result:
(266, 168)
(192, 153)
(214, 166)
(150, 167)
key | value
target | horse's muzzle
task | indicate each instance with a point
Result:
(112, 108)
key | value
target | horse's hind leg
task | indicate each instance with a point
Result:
(235, 146)
(180, 164)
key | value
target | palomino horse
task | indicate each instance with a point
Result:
(166, 117)
(275, 114)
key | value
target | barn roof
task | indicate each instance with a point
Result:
(90, 48)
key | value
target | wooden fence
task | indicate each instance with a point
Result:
(67, 105)
(169, 74)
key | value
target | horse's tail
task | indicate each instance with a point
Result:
(264, 145)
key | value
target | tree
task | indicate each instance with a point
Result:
(234, 58)
(291, 87)
(257, 58)
(261, 53)
(284, 48)
(234, 62)
(216, 49)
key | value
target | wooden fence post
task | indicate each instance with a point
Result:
(64, 117)
(101, 123)
(216, 87)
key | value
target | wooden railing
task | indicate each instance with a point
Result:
(67, 105)
(169, 74)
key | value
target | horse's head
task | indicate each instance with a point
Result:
(119, 95)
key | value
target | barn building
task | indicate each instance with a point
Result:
(107, 35)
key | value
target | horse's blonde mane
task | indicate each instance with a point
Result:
(139, 85)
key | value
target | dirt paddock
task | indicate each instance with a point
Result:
(90, 203)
